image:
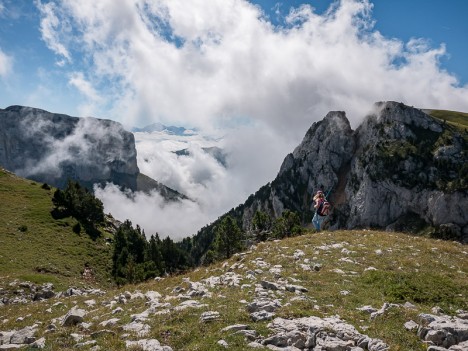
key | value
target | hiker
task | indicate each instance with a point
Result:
(321, 209)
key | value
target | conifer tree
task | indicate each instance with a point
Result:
(228, 237)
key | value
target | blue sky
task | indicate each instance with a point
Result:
(52, 59)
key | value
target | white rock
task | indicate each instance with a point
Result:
(223, 343)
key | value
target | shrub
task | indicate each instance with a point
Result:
(78, 202)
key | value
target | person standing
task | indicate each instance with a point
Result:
(320, 213)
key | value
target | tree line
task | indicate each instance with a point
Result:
(136, 258)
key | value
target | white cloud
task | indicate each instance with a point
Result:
(199, 62)
(213, 188)
(53, 30)
(214, 63)
(85, 87)
(152, 213)
(6, 64)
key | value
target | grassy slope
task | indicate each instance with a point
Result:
(423, 271)
(459, 119)
(45, 250)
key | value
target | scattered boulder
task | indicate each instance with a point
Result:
(73, 317)
(147, 345)
(138, 328)
(24, 336)
(315, 333)
(209, 316)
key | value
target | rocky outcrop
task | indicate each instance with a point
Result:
(52, 148)
(400, 170)
(443, 332)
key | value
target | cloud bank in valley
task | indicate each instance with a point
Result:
(223, 65)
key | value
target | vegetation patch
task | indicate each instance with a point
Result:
(33, 244)
(426, 288)
(459, 119)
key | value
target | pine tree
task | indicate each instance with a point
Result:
(154, 253)
(261, 225)
(228, 237)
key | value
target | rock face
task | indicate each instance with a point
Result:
(52, 148)
(400, 170)
(400, 166)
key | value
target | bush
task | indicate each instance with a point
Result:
(78, 202)
(289, 224)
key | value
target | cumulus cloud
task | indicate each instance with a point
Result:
(198, 61)
(212, 64)
(85, 87)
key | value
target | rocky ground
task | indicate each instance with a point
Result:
(304, 293)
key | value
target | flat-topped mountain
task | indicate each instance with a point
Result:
(52, 148)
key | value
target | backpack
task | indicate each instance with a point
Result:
(324, 208)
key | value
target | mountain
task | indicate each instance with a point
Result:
(338, 290)
(400, 170)
(171, 130)
(49, 147)
(342, 290)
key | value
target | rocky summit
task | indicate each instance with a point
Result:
(400, 170)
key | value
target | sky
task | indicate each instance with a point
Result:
(258, 73)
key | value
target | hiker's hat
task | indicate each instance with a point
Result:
(319, 192)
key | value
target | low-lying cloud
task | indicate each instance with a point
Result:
(223, 66)
(212, 187)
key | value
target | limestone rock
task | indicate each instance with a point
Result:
(138, 328)
(24, 336)
(444, 331)
(209, 316)
(148, 345)
(235, 327)
(74, 316)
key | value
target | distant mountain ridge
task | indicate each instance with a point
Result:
(52, 148)
(401, 169)
(171, 130)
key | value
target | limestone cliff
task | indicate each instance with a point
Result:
(52, 148)
(401, 169)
